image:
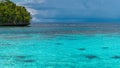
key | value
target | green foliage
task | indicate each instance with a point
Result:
(11, 13)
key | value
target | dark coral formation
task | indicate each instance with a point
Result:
(81, 49)
(28, 61)
(116, 57)
(105, 47)
(91, 56)
(58, 43)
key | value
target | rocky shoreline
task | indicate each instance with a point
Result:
(17, 24)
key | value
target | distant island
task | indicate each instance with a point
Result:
(13, 15)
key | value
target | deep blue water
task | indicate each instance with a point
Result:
(53, 45)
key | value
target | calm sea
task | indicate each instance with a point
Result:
(53, 45)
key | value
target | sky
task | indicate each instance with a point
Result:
(72, 10)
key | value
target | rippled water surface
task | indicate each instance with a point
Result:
(60, 46)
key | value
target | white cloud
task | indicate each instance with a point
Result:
(34, 1)
(35, 19)
(32, 11)
(30, 2)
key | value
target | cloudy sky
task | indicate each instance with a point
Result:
(73, 10)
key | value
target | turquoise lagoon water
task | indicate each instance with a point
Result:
(60, 46)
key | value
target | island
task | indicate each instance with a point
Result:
(13, 15)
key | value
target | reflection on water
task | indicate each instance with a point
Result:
(60, 46)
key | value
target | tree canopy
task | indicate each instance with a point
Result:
(13, 14)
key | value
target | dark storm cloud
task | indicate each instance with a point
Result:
(75, 10)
